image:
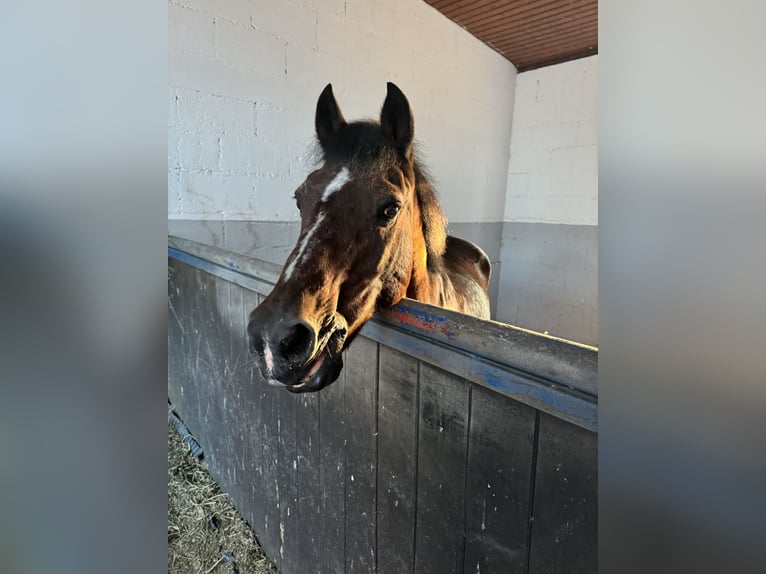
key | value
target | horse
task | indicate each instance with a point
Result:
(372, 233)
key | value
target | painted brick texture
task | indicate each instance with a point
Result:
(553, 169)
(243, 81)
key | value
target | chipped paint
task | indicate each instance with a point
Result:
(422, 320)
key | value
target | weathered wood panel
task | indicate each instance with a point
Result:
(309, 487)
(222, 362)
(204, 385)
(361, 454)
(235, 383)
(269, 433)
(252, 424)
(178, 328)
(498, 486)
(252, 391)
(332, 476)
(397, 461)
(182, 316)
(442, 446)
(564, 529)
(287, 467)
(399, 466)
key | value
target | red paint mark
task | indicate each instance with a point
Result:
(428, 325)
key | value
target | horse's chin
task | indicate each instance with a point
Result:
(324, 369)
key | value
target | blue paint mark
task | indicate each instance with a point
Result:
(234, 265)
(422, 315)
(584, 412)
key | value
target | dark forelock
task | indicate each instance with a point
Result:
(362, 147)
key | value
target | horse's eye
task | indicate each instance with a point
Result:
(390, 211)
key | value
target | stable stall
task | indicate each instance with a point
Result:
(448, 444)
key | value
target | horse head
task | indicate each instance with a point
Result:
(370, 226)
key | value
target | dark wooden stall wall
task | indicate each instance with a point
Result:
(397, 467)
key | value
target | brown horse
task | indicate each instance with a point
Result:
(372, 232)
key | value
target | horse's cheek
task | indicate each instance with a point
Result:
(396, 282)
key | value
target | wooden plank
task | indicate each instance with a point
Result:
(552, 44)
(498, 484)
(397, 461)
(214, 347)
(192, 414)
(443, 433)
(264, 271)
(332, 475)
(564, 527)
(287, 477)
(490, 20)
(181, 387)
(513, 19)
(561, 18)
(251, 388)
(361, 475)
(185, 402)
(215, 388)
(230, 429)
(569, 26)
(222, 302)
(201, 388)
(526, 65)
(242, 279)
(178, 325)
(569, 364)
(309, 488)
(268, 433)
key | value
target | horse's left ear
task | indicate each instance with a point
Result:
(328, 116)
(396, 120)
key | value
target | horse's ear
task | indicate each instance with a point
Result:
(396, 120)
(328, 116)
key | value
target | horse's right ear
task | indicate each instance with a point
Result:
(328, 117)
(396, 120)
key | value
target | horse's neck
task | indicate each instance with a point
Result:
(431, 286)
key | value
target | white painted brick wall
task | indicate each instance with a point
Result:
(553, 169)
(244, 77)
(196, 30)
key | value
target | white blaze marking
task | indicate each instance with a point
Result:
(269, 357)
(341, 179)
(336, 184)
(303, 246)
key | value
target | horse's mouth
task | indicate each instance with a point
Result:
(323, 369)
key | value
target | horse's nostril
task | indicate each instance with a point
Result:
(298, 343)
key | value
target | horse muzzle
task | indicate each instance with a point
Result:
(296, 354)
